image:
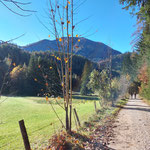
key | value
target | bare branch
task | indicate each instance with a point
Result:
(44, 25)
(18, 5)
(17, 2)
(4, 42)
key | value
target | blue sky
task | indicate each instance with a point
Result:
(114, 25)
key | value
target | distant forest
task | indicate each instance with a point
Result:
(26, 73)
(29, 73)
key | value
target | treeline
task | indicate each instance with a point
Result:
(31, 74)
(137, 64)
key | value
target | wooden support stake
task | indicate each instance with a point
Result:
(75, 121)
(77, 117)
(24, 135)
(100, 104)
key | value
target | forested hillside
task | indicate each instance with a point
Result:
(26, 72)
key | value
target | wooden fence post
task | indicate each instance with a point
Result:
(77, 117)
(95, 106)
(24, 135)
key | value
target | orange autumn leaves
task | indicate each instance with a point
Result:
(59, 141)
(57, 98)
(60, 39)
(14, 64)
(143, 74)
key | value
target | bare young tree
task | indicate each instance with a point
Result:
(61, 15)
(62, 27)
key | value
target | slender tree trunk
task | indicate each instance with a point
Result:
(71, 72)
(67, 120)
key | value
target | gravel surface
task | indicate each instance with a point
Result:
(132, 127)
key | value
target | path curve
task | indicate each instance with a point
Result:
(132, 127)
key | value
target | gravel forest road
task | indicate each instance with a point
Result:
(132, 127)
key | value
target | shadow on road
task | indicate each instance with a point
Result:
(138, 106)
(140, 109)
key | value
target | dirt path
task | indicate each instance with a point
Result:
(132, 127)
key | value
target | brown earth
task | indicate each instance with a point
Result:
(132, 127)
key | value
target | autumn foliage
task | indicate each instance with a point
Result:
(143, 74)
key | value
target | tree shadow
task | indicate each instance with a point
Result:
(138, 105)
(85, 97)
(135, 100)
(101, 146)
(140, 109)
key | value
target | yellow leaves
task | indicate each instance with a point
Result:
(60, 39)
(76, 141)
(58, 58)
(52, 55)
(46, 84)
(68, 2)
(59, 98)
(49, 36)
(62, 84)
(50, 68)
(69, 138)
(69, 35)
(64, 27)
(46, 98)
(77, 35)
(79, 40)
(66, 7)
(66, 60)
(61, 19)
(14, 64)
(64, 76)
(16, 71)
(68, 21)
(35, 79)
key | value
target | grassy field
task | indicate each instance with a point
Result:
(40, 120)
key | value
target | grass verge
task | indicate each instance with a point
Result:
(146, 101)
(95, 132)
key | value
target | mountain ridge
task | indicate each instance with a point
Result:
(94, 51)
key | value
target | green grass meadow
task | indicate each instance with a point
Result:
(40, 120)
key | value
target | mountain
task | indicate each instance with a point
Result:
(94, 51)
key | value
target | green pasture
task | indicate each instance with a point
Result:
(40, 120)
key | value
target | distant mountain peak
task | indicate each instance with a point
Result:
(94, 51)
